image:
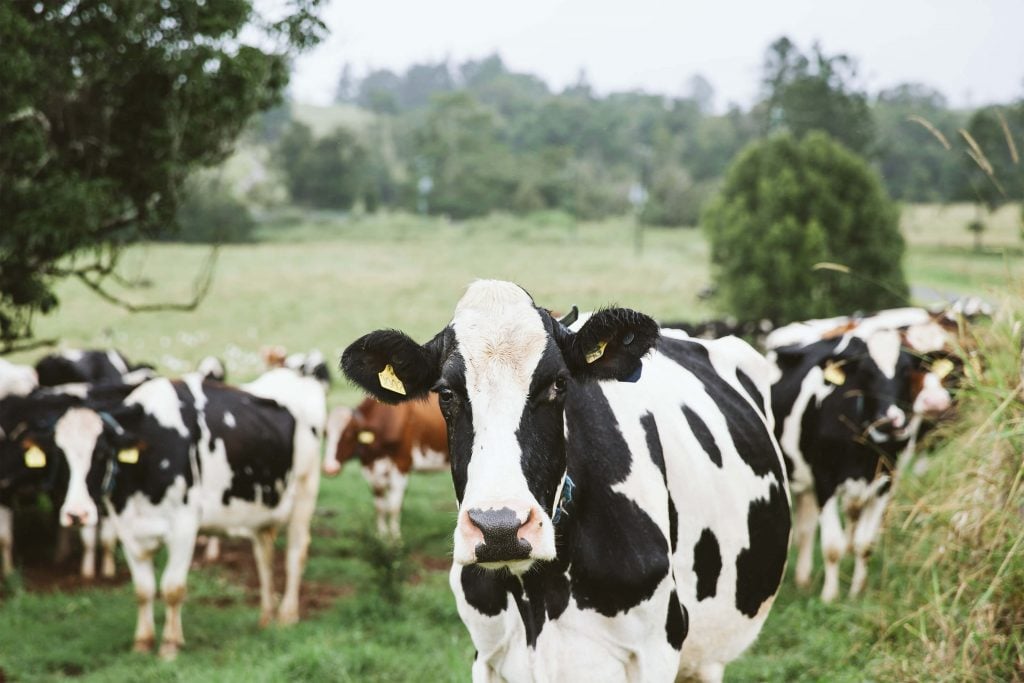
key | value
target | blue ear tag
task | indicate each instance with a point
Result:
(568, 491)
(635, 375)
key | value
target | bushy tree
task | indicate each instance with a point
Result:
(326, 173)
(105, 109)
(788, 205)
(208, 214)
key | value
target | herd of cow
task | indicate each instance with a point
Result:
(624, 487)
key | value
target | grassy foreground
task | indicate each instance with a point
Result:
(946, 593)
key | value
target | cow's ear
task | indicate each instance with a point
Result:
(609, 345)
(391, 366)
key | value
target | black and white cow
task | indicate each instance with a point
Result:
(633, 528)
(91, 367)
(841, 407)
(32, 429)
(182, 455)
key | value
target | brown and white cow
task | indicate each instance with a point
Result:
(389, 442)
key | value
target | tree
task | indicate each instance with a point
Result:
(326, 173)
(787, 206)
(803, 94)
(105, 109)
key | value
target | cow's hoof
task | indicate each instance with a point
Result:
(265, 619)
(829, 596)
(287, 618)
(144, 646)
(803, 582)
(169, 651)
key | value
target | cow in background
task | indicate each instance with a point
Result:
(841, 407)
(72, 366)
(389, 442)
(311, 364)
(177, 456)
(623, 512)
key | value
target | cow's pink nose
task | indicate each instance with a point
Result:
(331, 467)
(503, 533)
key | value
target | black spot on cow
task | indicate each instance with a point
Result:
(759, 567)
(746, 425)
(654, 443)
(540, 596)
(704, 436)
(751, 388)
(707, 564)
(484, 590)
(676, 623)
(258, 438)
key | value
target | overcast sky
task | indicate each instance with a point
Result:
(973, 51)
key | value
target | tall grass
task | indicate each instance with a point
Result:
(954, 553)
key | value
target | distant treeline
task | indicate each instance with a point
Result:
(471, 138)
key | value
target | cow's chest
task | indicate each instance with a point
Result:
(540, 634)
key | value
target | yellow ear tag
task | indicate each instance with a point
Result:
(367, 437)
(35, 458)
(942, 367)
(596, 352)
(389, 380)
(834, 374)
(129, 456)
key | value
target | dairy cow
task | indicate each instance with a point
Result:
(623, 512)
(389, 442)
(182, 455)
(841, 407)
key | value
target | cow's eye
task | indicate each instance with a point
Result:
(445, 396)
(560, 384)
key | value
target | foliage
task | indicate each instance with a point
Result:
(105, 108)
(327, 173)
(994, 172)
(788, 205)
(208, 214)
(817, 92)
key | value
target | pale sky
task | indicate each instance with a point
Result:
(973, 51)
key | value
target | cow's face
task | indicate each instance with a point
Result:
(502, 370)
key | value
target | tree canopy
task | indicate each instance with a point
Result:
(802, 229)
(105, 109)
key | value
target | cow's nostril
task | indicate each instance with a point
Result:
(499, 529)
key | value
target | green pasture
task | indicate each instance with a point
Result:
(377, 614)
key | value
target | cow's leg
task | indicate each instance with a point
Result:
(140, 564)
(298, 545)
(263, 549)
(88, 534)
(181, 545)
(212, 552)
(63, 549)
(396, 495)
(108, 541)
(833, 547)
(864, 539)
(6, 541)
(806, 525)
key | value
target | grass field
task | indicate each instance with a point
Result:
(319, 282)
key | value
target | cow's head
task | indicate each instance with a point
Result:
(357, 439)
(502, 370)
(870, 380)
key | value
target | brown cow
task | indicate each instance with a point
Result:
(389, 441)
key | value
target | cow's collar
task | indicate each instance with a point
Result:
(563, 499)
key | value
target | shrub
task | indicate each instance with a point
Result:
(788, 205)
(209, 214)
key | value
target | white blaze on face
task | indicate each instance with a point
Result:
(501, 338)
(76, 433)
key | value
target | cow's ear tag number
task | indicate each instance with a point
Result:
(942, 367)
(35, 458)
(834, 374)
(389, 380)
(596, 352)
(366, 437)
(128, 456)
